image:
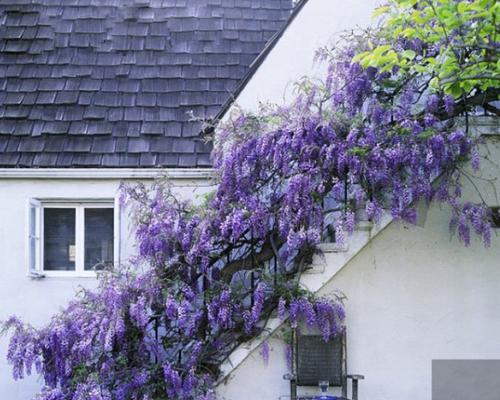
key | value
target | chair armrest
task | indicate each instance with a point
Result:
(289, 377)
(355, 377)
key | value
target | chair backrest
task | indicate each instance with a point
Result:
(317, 360)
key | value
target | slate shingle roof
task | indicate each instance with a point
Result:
(116, 83)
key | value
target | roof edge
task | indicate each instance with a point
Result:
(254, 67)
(106, 173)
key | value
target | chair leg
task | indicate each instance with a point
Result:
(293, 389)
(354, 389)
(354, 385)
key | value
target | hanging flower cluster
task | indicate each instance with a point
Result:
(206, 278)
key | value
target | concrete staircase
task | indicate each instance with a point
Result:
(323, 268)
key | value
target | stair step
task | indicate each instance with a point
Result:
(364, 226)
(319, 264)
(333, 247)
(324, 268)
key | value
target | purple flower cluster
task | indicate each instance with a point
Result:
(161, 327)
(139, 312)
(188, 387)
(220, 311)
(472, 217)
(264, 351)
(252, 316)
(323, 313)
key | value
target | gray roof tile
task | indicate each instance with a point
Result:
(103, 145)
(168, 160)
(162, 145)
(55, 127)
(129, 160)
(97, 113)
(204, 160)
(110, 160)
(46, 98)
(13, 98)
(79, 144)
(26, 159)
(138, 145)
(32, 144)
(114, 83)
(152, 128)
(45, 160)
(78, 128)
(64, 159)
(54, 144)
(13, 144)
(188, 160)
(202, 147)
(6, 128)
(66, 97)
(4, 139)
(99, 128)
(87, 160)
(147, 160)
(183, 146)
(121, 145)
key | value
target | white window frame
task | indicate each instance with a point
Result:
(35, 261)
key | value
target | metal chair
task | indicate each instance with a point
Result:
(314, 360)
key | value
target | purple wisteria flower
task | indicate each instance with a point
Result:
(264, 352)
(161, 327)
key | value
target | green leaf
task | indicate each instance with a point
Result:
(434, 83)
(378, 51)
(462, 8)
(417, 17)
(420, 68)
(359, 151)
(454, 89)
(456, 67)
(426, 134)
(380, 11)
(360, 57)
(409, 54)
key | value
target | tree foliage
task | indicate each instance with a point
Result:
(375, 136)
(453, 44)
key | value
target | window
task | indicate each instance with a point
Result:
(59, 232)
(495, 217)
(71, 238)
(98, 223)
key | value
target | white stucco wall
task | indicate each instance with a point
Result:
(36, 300)
(414, 294)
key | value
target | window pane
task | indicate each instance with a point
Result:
(33, 254)
(33, 221)
(98, 237)
(59, 239)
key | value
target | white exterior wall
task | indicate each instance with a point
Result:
(319, 23)
(414, 294)
(35, 301)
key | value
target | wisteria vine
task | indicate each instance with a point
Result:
(361, 143)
